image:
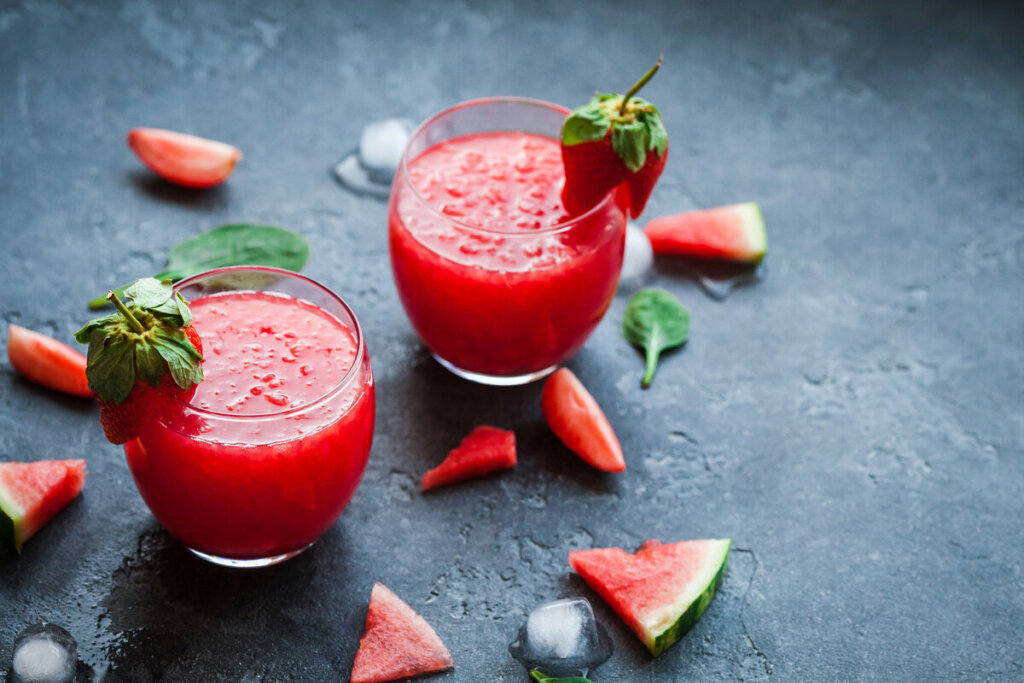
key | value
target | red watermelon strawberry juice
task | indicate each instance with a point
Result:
(269, 450)
(498, 280)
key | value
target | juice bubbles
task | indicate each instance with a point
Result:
(273, 444)
(498, 281)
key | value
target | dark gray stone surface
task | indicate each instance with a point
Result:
(854, 420)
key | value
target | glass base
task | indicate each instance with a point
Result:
(248, 564)
(496, 380)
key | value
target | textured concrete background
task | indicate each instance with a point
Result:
(854, 419)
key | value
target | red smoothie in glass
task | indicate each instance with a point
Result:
(274, 442)
(494, 276)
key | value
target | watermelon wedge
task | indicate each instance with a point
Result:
(184, 159)
(33, 492)
(576, 419)
(46, 361)
(662, 590)
(397, 643)
(734, 233)
(483, 451)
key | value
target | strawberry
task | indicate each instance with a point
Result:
(184, 159)
(47, 361)
(613, 141)
(576, 419)
(141, 357)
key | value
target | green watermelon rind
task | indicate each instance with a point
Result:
(690, 609)
(11, 518)
(753, 228)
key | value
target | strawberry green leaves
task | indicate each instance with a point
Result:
(231, 245)
(141, 341)
(655, 321)
(541, 678)
(633, 135)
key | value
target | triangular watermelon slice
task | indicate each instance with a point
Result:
(33, 492)
(734, 233)
(397, 643)
(662, 590)
(485, 450)
(576, 418)
(47, 361)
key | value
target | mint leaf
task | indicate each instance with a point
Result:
(655, 321)
(237, 244)
(542, 678)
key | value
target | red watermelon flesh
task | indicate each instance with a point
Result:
(47, 361)
(485, 450)
(397, 643)
(575, 417)
(661, 591)
(33, 492)
(734, 233)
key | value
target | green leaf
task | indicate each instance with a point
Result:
(655, 321)
(111, 375)
(629, 140)
(148, 292)
(542, 678)
(588, 123)
(238, 244)
(149, 365)
(183, 360)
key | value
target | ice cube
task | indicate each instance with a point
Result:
(562, 638)
(369, 169)
(638, 257)
(44, 653)
(381, 145)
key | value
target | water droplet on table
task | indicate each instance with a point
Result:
(562, 638)
(44, 653)
(369, 169)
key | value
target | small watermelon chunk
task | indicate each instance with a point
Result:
(33, 492)
(576, 419)
(397, 642)
(734, 233)
(662, 590)
(184, 159)
(483, 451)
(46, 361)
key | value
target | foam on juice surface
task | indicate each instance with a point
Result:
(266, 353)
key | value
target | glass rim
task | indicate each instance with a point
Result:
(499, 99)
(335, 389)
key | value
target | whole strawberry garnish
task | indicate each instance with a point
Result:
(610, 141)
(141, 357)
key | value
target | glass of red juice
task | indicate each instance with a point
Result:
(500, 283)
(266, 454)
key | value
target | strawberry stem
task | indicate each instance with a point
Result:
(639, 84)
(132, 320)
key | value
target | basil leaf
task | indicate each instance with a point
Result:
(238, 244)
(542, 678)
(655, 320)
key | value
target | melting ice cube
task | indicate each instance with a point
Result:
(562, 638)
(369, 169)
(638, 257)
(44, 653)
